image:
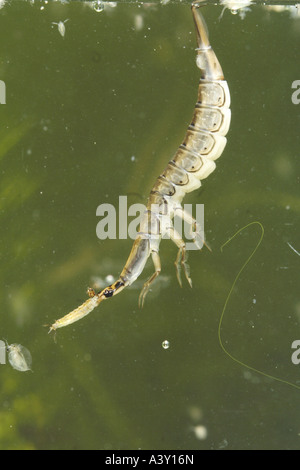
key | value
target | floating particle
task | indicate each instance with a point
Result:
(223, 444)
(19, 357)
(138, 22)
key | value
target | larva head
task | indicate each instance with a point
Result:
(88, 306)
(111, 290)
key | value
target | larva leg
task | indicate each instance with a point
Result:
(181, 259)
(196, 233)
(157, 266)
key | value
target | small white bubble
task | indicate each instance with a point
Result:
(166, 344)
(109, 279)
(200, 432)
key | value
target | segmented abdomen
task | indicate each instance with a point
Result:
(204, 142)
(205, 139)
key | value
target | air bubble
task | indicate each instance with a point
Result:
(98, 6)
(109, 279)
(166, 344)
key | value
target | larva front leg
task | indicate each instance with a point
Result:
(196, 232)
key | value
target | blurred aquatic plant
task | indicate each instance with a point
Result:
(15, 190)
(22, 415)
(10, 136)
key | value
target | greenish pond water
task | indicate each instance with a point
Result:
(97, 114)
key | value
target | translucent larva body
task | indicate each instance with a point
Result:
(79, 312)
(194, 160)
(19, 357)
